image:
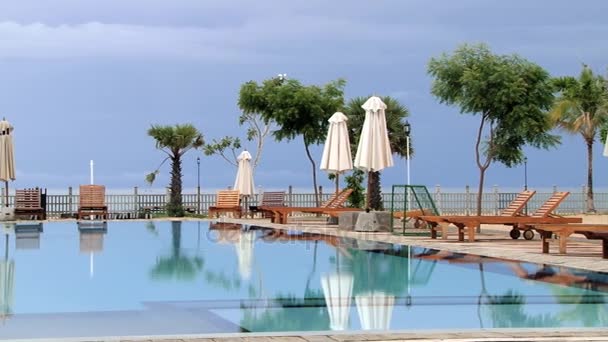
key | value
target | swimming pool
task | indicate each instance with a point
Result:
(168, 278)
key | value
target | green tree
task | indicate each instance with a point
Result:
(227, 147)
(510, 95)
(582, 108)
(174, 141)
(395, 115)
(354, 181)
(297, 110)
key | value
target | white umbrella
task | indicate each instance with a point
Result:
(374, 150)
(7, 155)
(338, 289)
(244, 252)
(375, 310)
(336, 152)
(244, 176)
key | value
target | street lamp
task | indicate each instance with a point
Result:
(526, 181)
(198, 185)
(408, 129)
(525, 173)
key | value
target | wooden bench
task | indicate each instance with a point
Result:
(92, 202)
(269, 199)
(227, 201)
(30, 203)
(563, 231)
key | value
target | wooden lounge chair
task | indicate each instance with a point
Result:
(516, 221)
(332, 207)
(92, 202)
(564, 230)
(29, 203)
(228, 201)
(269, 199)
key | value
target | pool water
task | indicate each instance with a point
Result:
(180, 278)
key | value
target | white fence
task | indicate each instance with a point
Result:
(457, 203)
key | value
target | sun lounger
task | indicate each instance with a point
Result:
(564, 230)
(332, 207)
(269, 199)
(469, 224)
(92, 202)
(29, 203)
(228, 201)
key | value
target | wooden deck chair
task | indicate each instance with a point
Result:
(29, 203)
(92, 202)
(269, 199)
(517, 222)
(227, 201)
(338, 199)
(332, 207)
(563, 231)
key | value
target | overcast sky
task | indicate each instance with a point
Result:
(84, 80)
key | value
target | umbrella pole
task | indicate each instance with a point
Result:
(6, 191)
(369, 187)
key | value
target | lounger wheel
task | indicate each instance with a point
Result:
(514, 233)
(528, 234)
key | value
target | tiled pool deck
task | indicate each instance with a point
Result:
(493, 242)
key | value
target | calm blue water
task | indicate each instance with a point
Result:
(144, 278)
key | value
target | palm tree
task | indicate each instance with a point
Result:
(395, 114)
(175, 141)
(582, 107)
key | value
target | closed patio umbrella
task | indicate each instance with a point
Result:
(374, 149)
(244, 176)
(336, 152)
(7, 155)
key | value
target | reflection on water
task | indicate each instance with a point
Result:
(224, 278)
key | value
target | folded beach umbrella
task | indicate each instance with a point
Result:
(336, 152)
(244, 176)
(7, 155)
(374, 149)
(338, 290)
(375, 310)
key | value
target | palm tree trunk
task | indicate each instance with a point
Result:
(314, 174)
(589, 200)
(175, 198)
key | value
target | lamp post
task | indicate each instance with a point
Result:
(408, 129)
(526, 181)
(525, 173)
(198, 185)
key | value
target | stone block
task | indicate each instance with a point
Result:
(347, 220)
(377, 221)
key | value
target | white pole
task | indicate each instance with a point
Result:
(407, 156)
(92, 179)
(407, 142)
